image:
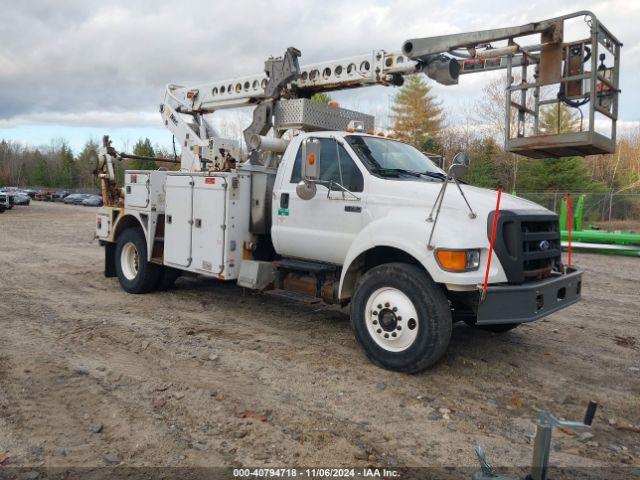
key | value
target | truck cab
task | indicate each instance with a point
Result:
(372, 205)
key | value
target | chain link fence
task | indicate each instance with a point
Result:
(615, 211)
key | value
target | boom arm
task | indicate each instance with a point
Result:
(377, 68)
(442, 58)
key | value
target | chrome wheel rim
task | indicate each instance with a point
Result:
(392, 319)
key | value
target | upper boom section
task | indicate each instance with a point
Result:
(552, 70)
(442, 58)
(434, 56)
(377, 68)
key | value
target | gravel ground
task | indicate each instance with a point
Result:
(210, 375)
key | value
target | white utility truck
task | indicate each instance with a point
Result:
(318, 205)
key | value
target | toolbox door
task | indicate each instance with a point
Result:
(178, 220)
(136, 187)
(209, 212)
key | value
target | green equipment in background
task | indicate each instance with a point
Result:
(594, 240)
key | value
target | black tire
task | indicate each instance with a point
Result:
(147, 274)
(433, 321)
(167, 278)
(499, 328)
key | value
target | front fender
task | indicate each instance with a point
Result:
(408, 236)
(411, 236)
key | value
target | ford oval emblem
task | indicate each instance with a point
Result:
(544, 245)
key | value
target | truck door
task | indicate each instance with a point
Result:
(324, 227)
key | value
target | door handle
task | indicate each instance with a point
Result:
(284, 200)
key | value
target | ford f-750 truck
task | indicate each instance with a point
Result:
(318, 205)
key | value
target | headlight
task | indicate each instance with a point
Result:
(458, 260)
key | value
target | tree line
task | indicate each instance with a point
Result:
(55, 165)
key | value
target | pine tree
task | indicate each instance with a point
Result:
(68, 174)
(559, 118)
(40, 176)
(568, 174)
(143, 148)
(87, 163)
(417, 115)
(483, 171)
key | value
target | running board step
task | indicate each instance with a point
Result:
(295, 296)
(304, 266)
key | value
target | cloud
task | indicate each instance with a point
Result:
(95, 63)
(93, 118)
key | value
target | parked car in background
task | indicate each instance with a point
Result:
(21, 199)
(92, 201)
(76, 198)
(4, 202)
(9, 201)
(15, 196)
(43, 195)
(29, 192)
(60, 195)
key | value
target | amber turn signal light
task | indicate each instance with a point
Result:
(458, 260)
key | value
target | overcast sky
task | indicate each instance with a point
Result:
(79, 68)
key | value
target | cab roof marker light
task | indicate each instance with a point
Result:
(355, 126)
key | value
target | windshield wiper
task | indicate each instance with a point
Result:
(396, 171)
(439, 175)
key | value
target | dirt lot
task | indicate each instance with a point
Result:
(207, 374)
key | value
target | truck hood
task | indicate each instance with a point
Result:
(422, 194)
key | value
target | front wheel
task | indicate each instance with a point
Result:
(401, 318)
(135, 273)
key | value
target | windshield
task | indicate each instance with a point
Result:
(386, 155)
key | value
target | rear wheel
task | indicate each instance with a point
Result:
(401, 318)
(135, 273)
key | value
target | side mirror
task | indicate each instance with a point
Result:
(306, 188)
(311, 159)
(460, 165)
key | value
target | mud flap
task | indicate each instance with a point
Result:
(109, 260)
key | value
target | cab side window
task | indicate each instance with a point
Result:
(333, 159)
